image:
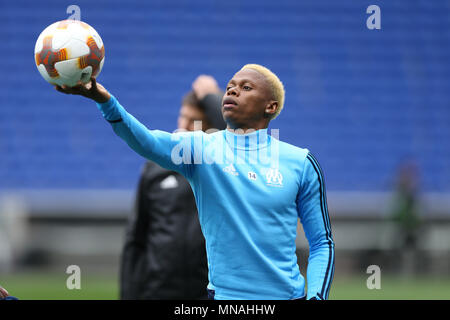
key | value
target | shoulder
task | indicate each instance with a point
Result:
(151, 169)
(212, 136)
(214, 133)
(301, 158)
(198, 133)
(149, 166)
(291, 151)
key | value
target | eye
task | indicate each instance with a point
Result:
(246, 88)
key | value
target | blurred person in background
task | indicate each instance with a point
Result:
(164, 254)
(405, 213)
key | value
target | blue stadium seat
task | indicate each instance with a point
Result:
(360, 100)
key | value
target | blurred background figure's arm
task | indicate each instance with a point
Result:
(210, 99)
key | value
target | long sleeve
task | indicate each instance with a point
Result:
(171, 151)
(313, 214)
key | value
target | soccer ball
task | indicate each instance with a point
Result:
(69, 51)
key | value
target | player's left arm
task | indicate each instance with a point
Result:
(313, 214)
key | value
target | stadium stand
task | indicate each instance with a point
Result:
(361, 100)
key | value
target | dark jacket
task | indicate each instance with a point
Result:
(164, 256)
(211, 104)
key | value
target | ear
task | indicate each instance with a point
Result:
(271, 108)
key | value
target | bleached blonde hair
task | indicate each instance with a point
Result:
(275, 83)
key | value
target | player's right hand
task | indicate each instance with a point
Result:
(91, 90)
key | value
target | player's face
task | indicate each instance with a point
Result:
(246, 101)
(188, 115)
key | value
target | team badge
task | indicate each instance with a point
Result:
(274, 177)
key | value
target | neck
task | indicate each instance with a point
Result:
(250, 139)
(244, 131)
(244, 128)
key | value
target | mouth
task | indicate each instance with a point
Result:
(229, 103)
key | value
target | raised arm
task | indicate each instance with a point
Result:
(313, 214)
(210, 99)
(171, 151)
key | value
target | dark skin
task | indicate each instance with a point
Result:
(248, 102)
(91, 90)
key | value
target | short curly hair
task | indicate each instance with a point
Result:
(275, 83)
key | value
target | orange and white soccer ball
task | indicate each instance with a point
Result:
(69, 51)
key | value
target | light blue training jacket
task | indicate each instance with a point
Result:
(250, 190)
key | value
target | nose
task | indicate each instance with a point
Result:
(233, 91)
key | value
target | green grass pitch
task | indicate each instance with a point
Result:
(50, 286)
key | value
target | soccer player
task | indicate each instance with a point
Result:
(164, 254)
(250, 190)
